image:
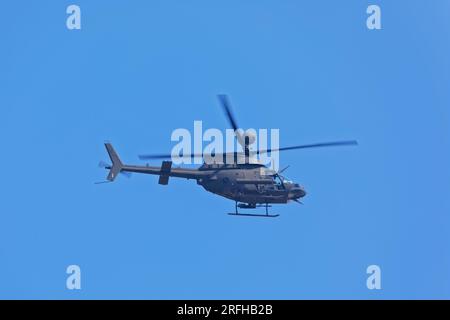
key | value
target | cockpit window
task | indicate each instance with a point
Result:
(287, 180)
(278, 181)
(281, 181)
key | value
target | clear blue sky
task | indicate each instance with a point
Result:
(139, 69)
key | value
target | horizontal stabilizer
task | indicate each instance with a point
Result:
(165, 171)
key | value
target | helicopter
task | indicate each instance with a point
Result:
(249, 183)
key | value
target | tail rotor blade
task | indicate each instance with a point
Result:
(103, 164)
(126, 174)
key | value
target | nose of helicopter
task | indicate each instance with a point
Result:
(298, 192)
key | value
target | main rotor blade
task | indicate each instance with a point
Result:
(314, 145)
(257, 152)
(192, 156)
(166, 156)
(284, 169)
(226, 105)
(225, 102)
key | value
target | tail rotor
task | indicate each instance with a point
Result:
(116, 167)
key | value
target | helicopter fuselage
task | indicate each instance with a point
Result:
(249, 183)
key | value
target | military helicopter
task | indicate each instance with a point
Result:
(247, 182)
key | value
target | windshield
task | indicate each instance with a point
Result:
(279, 180)
(286, 180)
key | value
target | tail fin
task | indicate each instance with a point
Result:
(116, 163)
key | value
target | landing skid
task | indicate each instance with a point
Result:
(266, 215)
(254, 215)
